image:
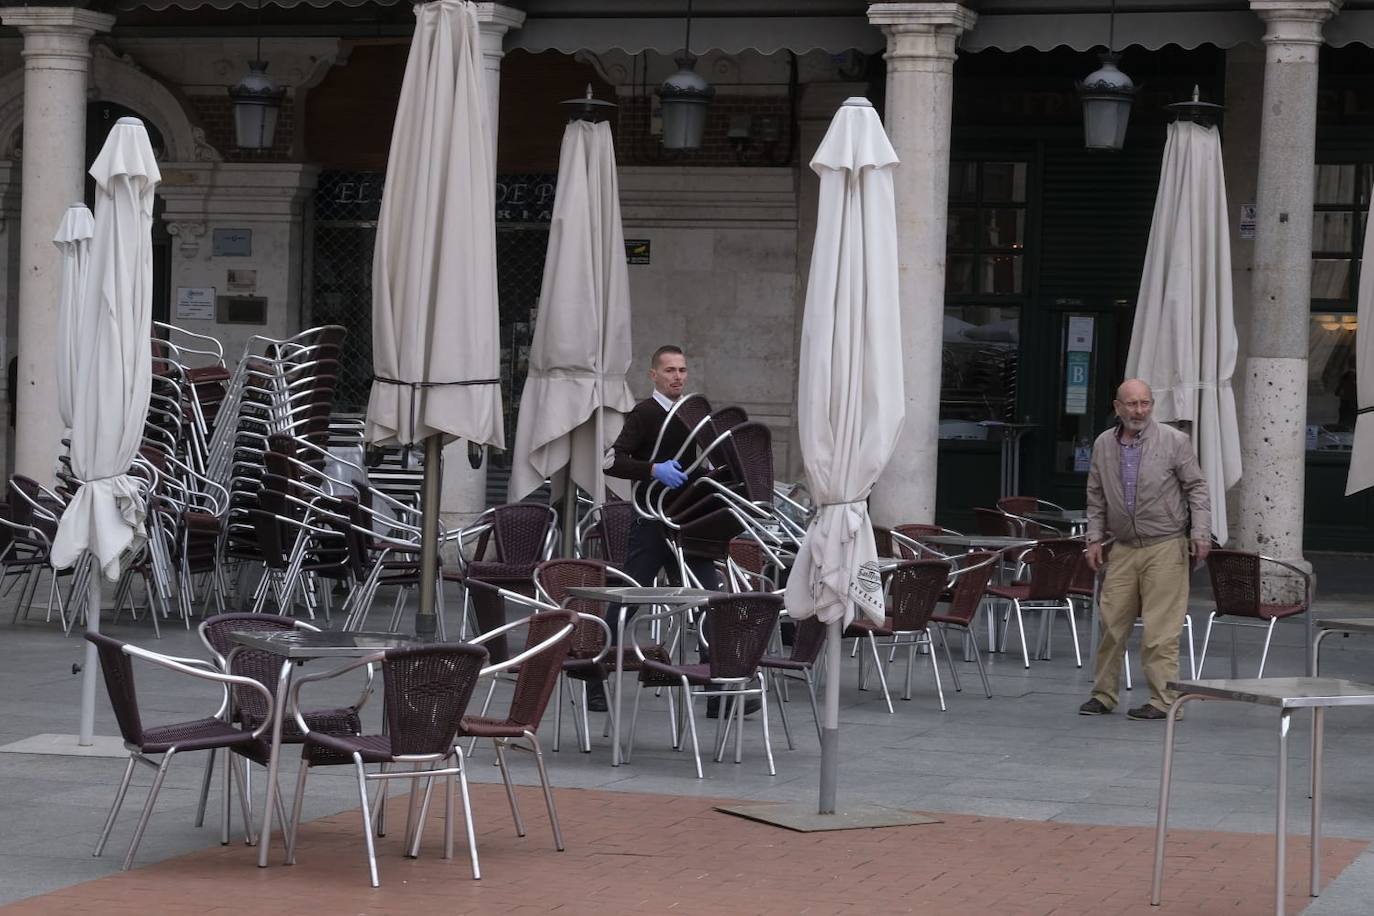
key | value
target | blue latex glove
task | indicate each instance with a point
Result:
(669, 473)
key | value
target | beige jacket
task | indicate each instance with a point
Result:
(1171, 493)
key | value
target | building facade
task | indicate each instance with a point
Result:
(1010, 231)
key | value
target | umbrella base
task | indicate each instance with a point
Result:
(804, 819)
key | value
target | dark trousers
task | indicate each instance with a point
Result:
(648, 554)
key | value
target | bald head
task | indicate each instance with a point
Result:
(1134, 404)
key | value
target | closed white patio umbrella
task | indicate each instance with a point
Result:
(849, 396)
(1361, 475)
(73, 241)
(576, 397)
(435, 325)
(1183, 342)
(111, 377)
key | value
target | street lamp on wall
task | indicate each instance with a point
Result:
(257, 101)
(685, 96)
(1107, 94)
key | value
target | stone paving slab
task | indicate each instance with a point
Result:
(635, 853)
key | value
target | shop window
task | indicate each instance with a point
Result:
(1341, 194)
(985, 244)
(1331, 393)
(978, 369)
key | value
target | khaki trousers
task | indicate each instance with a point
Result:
(1152, 583)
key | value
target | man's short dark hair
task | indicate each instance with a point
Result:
(664, 351)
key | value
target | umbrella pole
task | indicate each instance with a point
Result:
(830, 719)
(88, 672)
(425, 623)
(569, 513)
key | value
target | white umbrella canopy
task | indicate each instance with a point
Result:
(849, 400)
(1183, 342)
(576, 397)
(111, 377)
(73, 241)
(112, 374)
(1361, 475)
(849, 396)
(435, 324)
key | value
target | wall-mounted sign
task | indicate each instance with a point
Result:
(637, 251)
(232, 243)
(195, 303)
(1247, 221)
(1080, 334)
(525, 198)
(241, 281)
(1076, 382)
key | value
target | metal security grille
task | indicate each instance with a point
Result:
(520, 250)
(346, 206)
(344, 228)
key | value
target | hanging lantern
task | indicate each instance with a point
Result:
(685, 96)
(1107, 94)
(257, 101)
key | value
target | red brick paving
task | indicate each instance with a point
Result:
(631, 853)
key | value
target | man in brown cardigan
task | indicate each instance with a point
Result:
(1147, 493)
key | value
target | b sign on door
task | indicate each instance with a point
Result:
(1076, 383)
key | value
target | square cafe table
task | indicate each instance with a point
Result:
(296, 647)
(1285, 694)
(677, 598)
(1076, 520)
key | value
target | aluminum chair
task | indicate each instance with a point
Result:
(143, 742)
(1052, 565)
(1238, 589)
(968, 589)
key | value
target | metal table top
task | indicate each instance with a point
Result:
(1066, 517)
(646, 594)
(324, 644)
(1347, 624)
(995, 541)
(1282, 692)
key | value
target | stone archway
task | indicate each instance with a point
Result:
(119, 80)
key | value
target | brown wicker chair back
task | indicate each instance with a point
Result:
(740, 626)
(427, 692)
(914, 588)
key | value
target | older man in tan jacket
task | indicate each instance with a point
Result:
(1146, 493)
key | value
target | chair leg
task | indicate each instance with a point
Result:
(225, 800)
(450, 790)
(935, 670)
(634, 723)
(486, 704)
(558, 712)
(148, 808)
(548, 789)
(1073, 631)
(297, 804)
(118, 803)
(688, 711)
(815, 711)
(367, 819)
(413, 838)
(1206, 641)
(584, 721)
(763, 713)
(1021, 628)
(776, 679)
(949, 657)
(882, 677)
(1192, 659)
(500, 746)
(467, 811)
(1264, 655)
(982, 671)
(910, 664)
(205, 789)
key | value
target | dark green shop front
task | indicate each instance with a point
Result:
(1045, 248)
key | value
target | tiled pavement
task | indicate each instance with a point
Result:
(633, 853)
(1014, 778)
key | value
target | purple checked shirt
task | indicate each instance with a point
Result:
(1130, 469)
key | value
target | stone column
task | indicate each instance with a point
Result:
(465, 488)
(921, 39)
(1275, 399)
(57, 59)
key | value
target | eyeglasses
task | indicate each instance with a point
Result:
(1136, 405)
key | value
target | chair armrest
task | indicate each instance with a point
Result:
(293, 697)
(563, 633)
(204, 670)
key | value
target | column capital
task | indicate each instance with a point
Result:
(494, 20)
(932, 15)
(1294, 21)
(84, 23)
(922, 30)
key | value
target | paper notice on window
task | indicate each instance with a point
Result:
(1080, 334)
